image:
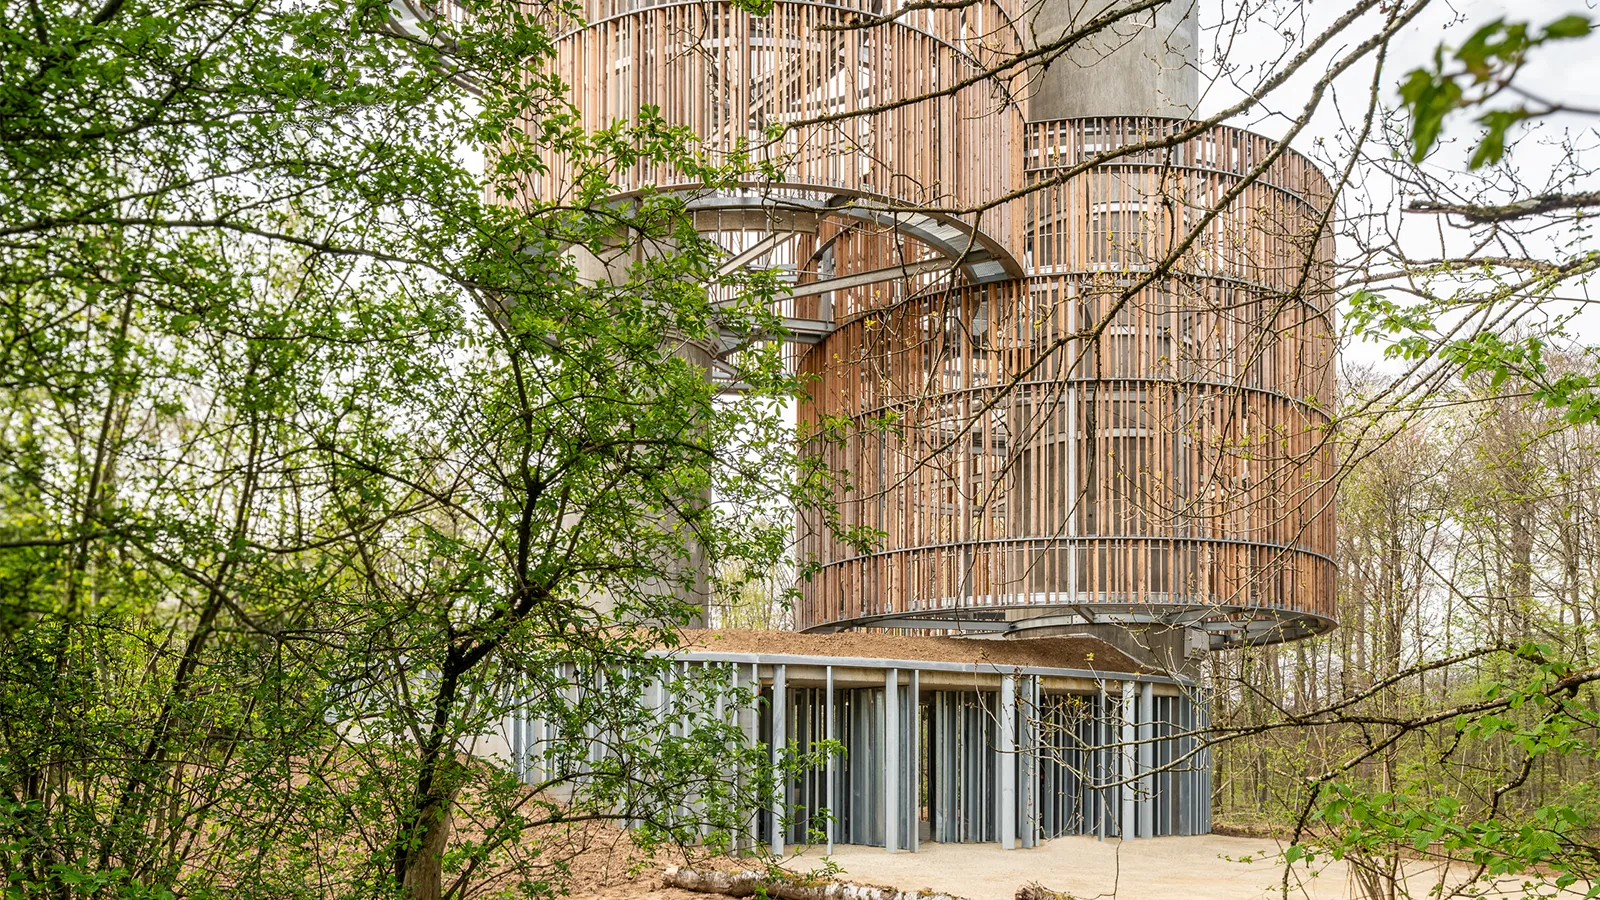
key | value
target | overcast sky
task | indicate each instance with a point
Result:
(1567, 72)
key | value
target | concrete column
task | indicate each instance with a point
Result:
(780, 740)
(1146, 64)
(1008, 762)
(1125, 769)
(891, 759)
(1146, 755)
(829, 733)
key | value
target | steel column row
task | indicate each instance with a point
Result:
(1018, 765)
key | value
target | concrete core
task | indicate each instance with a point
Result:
(1147, 64)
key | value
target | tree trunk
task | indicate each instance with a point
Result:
(424, 875)
(423, 833)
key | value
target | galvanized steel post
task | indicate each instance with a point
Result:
(891, 759)
(1147, 803)
(745, 719)
(1098, 769)
(1028, 778)
(914, 763)
(780, 740)
(831, 788)
(1008, 762)
(1126, 773)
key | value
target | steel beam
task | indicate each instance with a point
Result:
(756, 251)
(868, 662)
(860, 279)
(985, 259)
(985, 625)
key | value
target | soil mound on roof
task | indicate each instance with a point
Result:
(1059, 652)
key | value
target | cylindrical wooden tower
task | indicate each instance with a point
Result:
(1054, 422)
(1104, 440)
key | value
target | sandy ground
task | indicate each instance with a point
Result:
(1208, 867)
(606, 866)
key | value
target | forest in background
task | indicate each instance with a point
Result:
(1468, 554)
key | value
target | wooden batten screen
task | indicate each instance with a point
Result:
(1124, 428)
(1092, 436)
(728, 77)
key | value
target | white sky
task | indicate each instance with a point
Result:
(1567, 72)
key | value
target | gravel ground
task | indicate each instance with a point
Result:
(1207, 867)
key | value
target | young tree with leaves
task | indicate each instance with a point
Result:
(323, 451)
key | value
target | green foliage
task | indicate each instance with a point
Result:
(1413, 333)
(322, 452)
(1537, 711)
(1485, 65)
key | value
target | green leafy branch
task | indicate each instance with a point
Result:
(1474, 74)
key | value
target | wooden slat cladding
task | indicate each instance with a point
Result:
(1177, 461)
(728, 76)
